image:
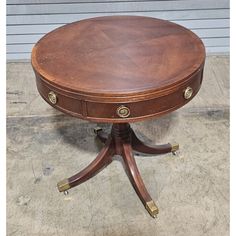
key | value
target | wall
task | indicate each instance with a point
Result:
(29, 20)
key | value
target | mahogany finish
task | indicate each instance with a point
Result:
(121, 141)
(96, 65)
(119, 69)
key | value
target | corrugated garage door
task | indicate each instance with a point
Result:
(29, 20)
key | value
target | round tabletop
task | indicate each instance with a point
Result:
(118, 58)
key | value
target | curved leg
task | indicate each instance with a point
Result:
(142, 147)
(100, 134)
(136, 180)
(103, 159)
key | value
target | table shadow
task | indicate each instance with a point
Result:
(80, 133)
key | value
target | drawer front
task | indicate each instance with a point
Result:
(116, 112)
(128, 112)
(58, 100)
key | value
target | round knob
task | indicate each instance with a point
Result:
(188, 92)
(52, 97)
(123, 111)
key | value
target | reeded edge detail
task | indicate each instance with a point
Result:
(152, 208)
(63, 185)
(137, 97)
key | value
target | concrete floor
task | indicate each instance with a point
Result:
(45, 146)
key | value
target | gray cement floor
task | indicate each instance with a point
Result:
(45, 146)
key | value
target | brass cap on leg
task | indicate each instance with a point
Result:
(63, 185)
(152, 208)
(174, 147)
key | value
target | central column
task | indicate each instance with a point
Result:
(121, 133)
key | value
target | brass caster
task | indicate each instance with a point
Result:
(97, 129)
(63, 185)
(154, 216)
(174, 148)
(152, 209)
(66, 192)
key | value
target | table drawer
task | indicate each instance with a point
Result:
(55, 98)
(117, 112)
(129, 111)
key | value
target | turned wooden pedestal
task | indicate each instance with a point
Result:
(122, 141)
(119, 69)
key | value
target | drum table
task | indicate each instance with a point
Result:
(119, 69)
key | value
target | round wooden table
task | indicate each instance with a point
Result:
(119, 69)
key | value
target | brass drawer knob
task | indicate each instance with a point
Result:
(188, 92)
(52, 97)
(123, 111)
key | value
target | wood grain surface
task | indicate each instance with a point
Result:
(104, 62)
